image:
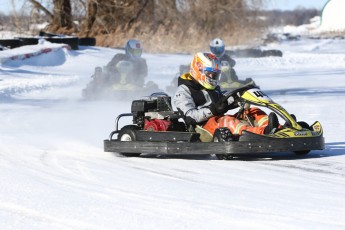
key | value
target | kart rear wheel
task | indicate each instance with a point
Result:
(222, 135)
(127, 133)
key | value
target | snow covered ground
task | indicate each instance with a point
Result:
(55, 175)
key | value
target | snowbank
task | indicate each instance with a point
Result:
(26, 52)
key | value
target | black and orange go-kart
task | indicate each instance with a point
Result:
(157, 129)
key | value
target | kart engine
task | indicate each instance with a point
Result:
(157, 125)
(154, 114)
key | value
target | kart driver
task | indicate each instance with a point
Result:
(138, 72)
(229, 79)
(202, 102)
(217, 47)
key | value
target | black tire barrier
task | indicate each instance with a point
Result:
(28, 41)
(73, 42)
(275, 53)
(243, 53)
(84, 41)
(249, 53)
(87, 41)
(46, 34)
(11, 43)
(253, 53)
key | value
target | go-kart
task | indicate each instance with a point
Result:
(117, 85)
(118, 91)
(157, 129)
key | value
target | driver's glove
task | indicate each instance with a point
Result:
(222, 106)
(232, 104)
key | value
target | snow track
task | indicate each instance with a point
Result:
(55, 175)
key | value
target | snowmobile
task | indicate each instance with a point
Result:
(123, 88)
(157, 129)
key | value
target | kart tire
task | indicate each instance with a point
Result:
(128, 133)
(305, 126)
(222, 135)
(300, 153)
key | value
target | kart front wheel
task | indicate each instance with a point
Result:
(128, 133)
(303, 152)
(222, 135)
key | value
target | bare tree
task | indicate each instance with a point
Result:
(39, 6)
(62, 16)
(168, 22)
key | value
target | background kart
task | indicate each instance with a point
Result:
(119, 91)
(118, 85)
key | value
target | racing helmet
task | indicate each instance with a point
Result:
(98, 69)
(217, 47)
(205, 69)
(133, 48)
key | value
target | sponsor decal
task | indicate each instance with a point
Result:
(300, 133)
(317, 128)
(314, 133)
(259, 94)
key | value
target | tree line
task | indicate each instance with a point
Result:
(162, 25)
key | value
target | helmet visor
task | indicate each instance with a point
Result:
(212, 73)
(218, 50)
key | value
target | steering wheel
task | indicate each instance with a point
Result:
(238, 92)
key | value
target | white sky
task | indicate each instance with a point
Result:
(6, 6)
(293, 4)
